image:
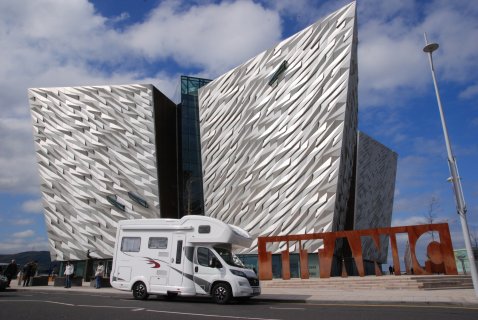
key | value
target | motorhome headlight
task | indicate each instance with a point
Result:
(238, 273)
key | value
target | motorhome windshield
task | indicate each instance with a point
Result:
(229, 257)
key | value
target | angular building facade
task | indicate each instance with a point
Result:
(376, 168)
(279, 134)
(271, 146)
(100, 154)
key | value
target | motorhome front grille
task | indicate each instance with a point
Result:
(254, 282)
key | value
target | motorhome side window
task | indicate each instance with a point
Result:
(204, 229)
(130, 244)
(179, 250)
(204, 256)
(158, 243)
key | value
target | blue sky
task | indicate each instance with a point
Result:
(48, 43)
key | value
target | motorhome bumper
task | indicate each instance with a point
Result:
(249, 292)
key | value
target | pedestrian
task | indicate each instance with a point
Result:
(11, 271)
(69, 270)
(34, 271)
(55, 271)
(27, 273)
(390, 269)
(100, 270)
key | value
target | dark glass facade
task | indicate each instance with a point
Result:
(190, 171)
(167, 159)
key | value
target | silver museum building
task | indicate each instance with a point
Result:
(271, 146)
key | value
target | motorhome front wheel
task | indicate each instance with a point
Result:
(221, 293)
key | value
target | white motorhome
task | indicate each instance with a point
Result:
(187, 257)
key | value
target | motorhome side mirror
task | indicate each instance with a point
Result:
(215, 263)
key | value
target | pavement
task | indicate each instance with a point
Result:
(437, 298)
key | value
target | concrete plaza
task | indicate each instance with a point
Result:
(340, 295)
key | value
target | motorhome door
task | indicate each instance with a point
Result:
(177, 260)
(205, 272)
(155, 260)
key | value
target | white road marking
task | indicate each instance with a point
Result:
(287, 308)
(42, 301)
(62, 303)
(93, 306)
(67, 304)
(139, 309)
(208, 315)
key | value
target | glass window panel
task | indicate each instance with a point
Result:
(203, 256)
(158, 243)
(205, 228)
(179, 250)
(130, 244)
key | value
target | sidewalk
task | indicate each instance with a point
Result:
(453, 297)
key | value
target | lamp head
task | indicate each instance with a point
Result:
(429, 48)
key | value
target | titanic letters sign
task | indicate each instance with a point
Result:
(440, 253)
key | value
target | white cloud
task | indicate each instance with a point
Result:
(24, 234)
(414, 220)
(454, 26)
(393, 67)
(58, 43)
(391, 62)
(470, 92)
(214, 36)
(409, 221)
(17, 156)
(33, 206)
(429, 147)
(305, 12)
(22, 244)
(22, 222)
(411, 170)
(121, 17)
(384, 123)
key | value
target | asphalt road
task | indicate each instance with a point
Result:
(41, 305)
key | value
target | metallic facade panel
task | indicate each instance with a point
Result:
(94, 142)
(375, 187)
(278, 143)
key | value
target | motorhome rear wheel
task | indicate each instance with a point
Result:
(139, 291)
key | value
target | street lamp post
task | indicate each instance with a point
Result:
(455, 179)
